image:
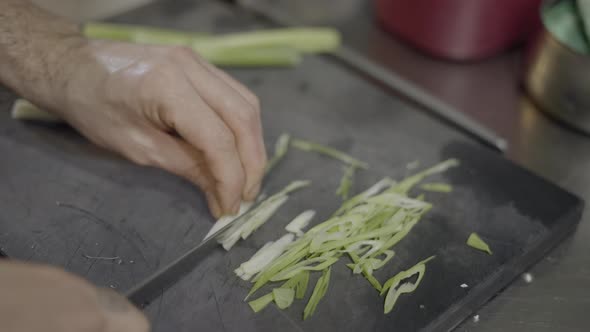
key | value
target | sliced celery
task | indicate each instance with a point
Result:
(346, 182)
(394, 289)
(328, 151)
(283, 297)
(261, 302)
(281, 148)
(408, 183)
(320, 289)
(476, 242)
(437, 187)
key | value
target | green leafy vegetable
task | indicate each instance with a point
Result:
(476, 242)
(346, 182)
(437, 187)
(328, 151)
(283, 297)
(320, 289)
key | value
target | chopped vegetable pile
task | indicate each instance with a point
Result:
(365, 229)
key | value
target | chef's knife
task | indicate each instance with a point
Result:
(152, 287)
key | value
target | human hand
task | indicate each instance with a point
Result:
(167, 107)
(39, 298)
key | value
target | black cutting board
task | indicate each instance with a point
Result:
(62, 199)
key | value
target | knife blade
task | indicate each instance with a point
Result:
(152, 287)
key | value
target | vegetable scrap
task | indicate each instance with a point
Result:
(346, 182)
(437, 187)
(476, 242)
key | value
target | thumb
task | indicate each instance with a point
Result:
(121, 316)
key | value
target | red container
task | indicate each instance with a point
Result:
(460, 29)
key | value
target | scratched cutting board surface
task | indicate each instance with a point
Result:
(63, 201)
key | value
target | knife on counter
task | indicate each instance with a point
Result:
(152, 287)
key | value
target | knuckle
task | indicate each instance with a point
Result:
(225, 140)
(181, 53)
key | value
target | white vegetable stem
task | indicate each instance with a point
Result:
(297, 225)
(258, 216)
(221, 222)
(263, 257)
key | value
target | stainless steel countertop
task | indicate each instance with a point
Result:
(558, 297)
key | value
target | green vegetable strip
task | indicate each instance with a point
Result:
(302, 283)
(346, 182)
(476, 242)
(319, 291)
(283, 297)
(437, 187)
(299, 283)
(356, 200)
(306, 40)
(408, 183)
(261, 302)
(280, 263)
(328, 151)
(370, 278)
(165, 37)
(306, 265)
(128, 32)
(281, 148)
(406, 274)
(394, 289)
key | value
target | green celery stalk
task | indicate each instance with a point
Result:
(251, 57)
(305, 40)
(130, 32)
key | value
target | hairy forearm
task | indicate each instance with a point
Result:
(35, 48)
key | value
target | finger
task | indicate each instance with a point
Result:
(203, 129)
(240, 116)
(121, 316)
(239, 87)
(174, 155)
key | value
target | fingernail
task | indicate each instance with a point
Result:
(213, 205)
